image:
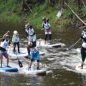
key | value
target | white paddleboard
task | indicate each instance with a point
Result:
(23, 53)
(78, 68)
(34, 71)
(41, 43)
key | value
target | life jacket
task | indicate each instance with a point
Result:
(15, 38)
(46, 25)
(4, 44)
(83, 36)
(30, 31)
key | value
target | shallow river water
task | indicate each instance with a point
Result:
(60, 62)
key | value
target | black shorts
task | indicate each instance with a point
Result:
(34, 44)
(2, 49)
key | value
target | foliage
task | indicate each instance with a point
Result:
(11, 12)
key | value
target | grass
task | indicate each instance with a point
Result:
(10, 17)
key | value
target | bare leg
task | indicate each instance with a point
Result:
(30, 64)
(37, 65)
(6, 56)
(1, 57)
(1, 62)
(82, 63)
(7, 61)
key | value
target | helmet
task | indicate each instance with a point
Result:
(15, 32)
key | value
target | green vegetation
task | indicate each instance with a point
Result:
(12, 16)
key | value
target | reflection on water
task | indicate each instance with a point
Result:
(20, 80)
(57, 78)
(62, 78)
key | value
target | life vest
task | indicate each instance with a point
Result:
(15, 38)
(4, 44)
(30, 31)
(84, 39)
(46, 25)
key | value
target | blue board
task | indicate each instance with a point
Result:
(9, 69)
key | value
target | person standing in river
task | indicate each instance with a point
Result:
(83, 48)
(34, 55)
(16, 41)
(31, 36)
(3, 48)
(47, 29)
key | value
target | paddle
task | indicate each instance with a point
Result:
(19, 62)
(73, 44)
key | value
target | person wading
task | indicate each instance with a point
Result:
(31, 36)
(34, 55)
(83, 48)
(47, 29)
(16, 41)
(3, 48)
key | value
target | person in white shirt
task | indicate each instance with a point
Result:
(83, 48)
(47, 29)
(3, 49)
(16, 41)
(31, 35)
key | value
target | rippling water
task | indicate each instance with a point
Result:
(60, 62)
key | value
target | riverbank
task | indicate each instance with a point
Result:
(11, 16)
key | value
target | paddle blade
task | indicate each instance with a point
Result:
(20, 64)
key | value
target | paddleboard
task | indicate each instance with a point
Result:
(23, 53)
(41, 43)
(78, 68)
(34, 71)
(8, 69)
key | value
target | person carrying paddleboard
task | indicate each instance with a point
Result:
(83, 48)
(47, 29)
(31, 35)
(3, 48)
(34, 55)
(16, 41)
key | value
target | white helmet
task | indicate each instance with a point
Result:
(15, 32)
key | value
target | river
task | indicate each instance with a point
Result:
(60, 62)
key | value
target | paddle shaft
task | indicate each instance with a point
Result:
(74, 44)
(19, 62)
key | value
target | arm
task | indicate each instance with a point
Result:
(6, 34)
(26, 32)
